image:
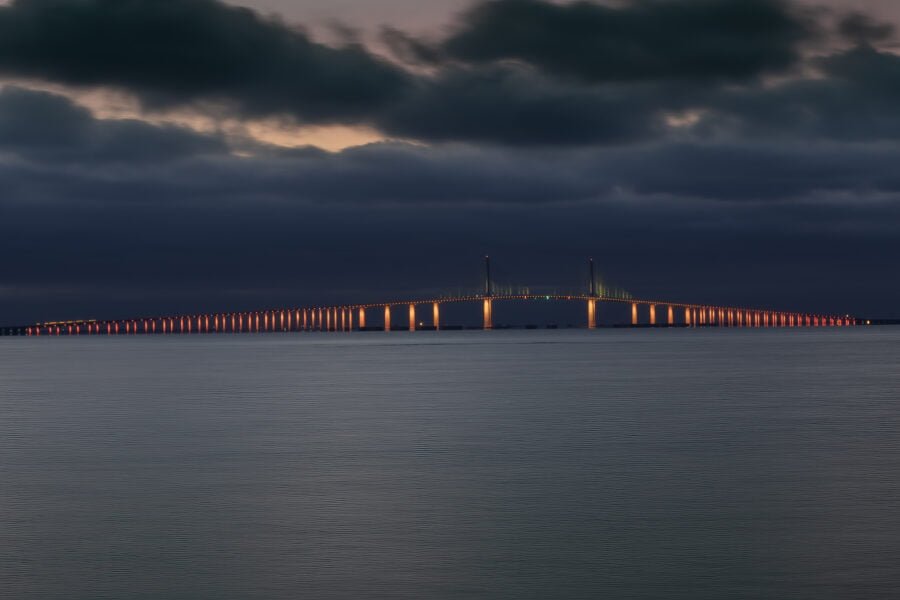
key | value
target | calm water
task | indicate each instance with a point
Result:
(548, 464)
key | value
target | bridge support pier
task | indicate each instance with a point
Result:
(687, 317)
(592, 314)
(488, 316)
(652, 314)
(671, 316)
(436, 316)
(362, 318)
(387, 318)
(412, 317)
(634, 314)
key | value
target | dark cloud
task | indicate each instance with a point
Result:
(202, 50)
(855, 98)
(153, 244)
(760, 172)
(48, 127)
(872, 72)
(410, 49)
(581, 73)
(862, 29)
(516, 106)
(184, 51)
(642, 40)
(692, 179)
(214, 230)
(61, 143)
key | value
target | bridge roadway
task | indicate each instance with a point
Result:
(349, 317)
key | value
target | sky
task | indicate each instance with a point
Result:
(194, 155)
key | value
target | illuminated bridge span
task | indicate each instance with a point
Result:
(350, 317)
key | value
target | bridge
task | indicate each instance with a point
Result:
(355, 317)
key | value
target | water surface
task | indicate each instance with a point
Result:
(632, 464)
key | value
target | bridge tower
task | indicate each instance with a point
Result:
(592, 300)
(488, 304)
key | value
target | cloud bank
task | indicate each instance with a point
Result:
(738, 140)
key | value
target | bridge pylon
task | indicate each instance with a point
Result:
(592, 300)
(488, 309)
